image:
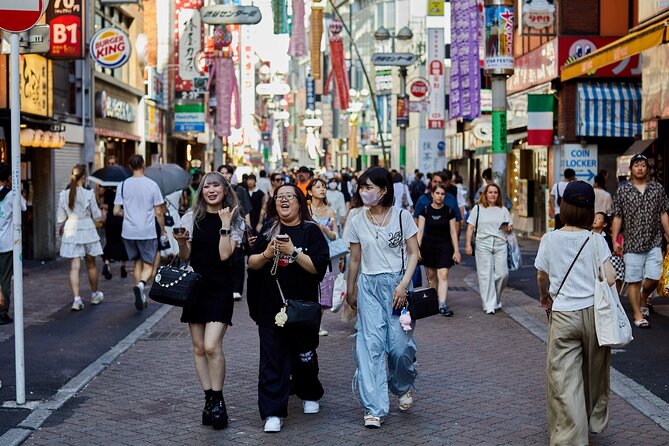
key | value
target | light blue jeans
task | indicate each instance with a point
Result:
(380, 335)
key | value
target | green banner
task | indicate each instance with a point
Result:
(499, 132)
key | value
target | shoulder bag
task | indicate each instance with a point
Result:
(421, 302)
(476, 230)
(612, 326)
(175, 286)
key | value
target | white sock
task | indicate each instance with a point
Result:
(141, 286)
(77, 298)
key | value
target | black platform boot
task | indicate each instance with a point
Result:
(208, 405)
(219, 413)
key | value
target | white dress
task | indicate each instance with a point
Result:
(80, 237)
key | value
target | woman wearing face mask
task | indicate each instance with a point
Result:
(492, 222)
(77, 209)
(292, 251)
(210, 232)
(384, 253)
(337, 201)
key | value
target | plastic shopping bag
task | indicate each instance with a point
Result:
(338, 292)
(513, 256)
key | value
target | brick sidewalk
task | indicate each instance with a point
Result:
(481, 381)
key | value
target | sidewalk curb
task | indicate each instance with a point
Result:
(634, 394)
(39, 415)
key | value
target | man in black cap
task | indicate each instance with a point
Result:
(303, 178)
(640, 206)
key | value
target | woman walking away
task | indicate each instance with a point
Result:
(209, 234)
(577, 368)
(78, 209)
(438, 240)
(491, 221)
(289, 257)
(381, 238)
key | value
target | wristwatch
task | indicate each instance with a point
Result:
(294, 255)
(224, 232)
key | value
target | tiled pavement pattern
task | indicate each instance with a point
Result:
(481, 382)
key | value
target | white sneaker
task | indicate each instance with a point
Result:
(273, 424)
(140, 298)
(373, 422)
(97, 297)
(236, 296)
(311, 407)
(405, 402)
(322, 332)
(77, 305)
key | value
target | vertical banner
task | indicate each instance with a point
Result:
(248, 82)
(499, 37)
(435, 8)
(498, 131)
(190, 48)
(66, 23)
(465, 77)
(402, 111)
(436, 112)
(311, 92)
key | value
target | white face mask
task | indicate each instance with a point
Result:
(370, 198)
(332, 186)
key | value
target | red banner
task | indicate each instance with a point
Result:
(66, 21)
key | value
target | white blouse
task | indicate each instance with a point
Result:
(79, 222)
(489, 221)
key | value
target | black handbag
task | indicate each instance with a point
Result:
(300, 313)
(476, 230)
(421, 302)
(175, 286)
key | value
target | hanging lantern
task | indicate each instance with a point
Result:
(47, 140)
(222, 37)
(39, 137)
(62, 141)
(26, 137)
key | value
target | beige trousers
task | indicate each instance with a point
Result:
(577, 375)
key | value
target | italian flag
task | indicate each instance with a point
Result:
(539, 119)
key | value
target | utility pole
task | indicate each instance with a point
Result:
(498, 65)
(402, 120)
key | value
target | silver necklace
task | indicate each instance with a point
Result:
(379, 226)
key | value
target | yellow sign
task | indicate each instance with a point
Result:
(622, 48)
(35, 79)
(435, 8)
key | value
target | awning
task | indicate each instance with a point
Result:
(608, 109)
(511, 138)
(634, 43)
(639, 146)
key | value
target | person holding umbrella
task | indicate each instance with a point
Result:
(139, 201)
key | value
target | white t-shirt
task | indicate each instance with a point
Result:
(139, 196)
(556, 252)
(382, 254)
(264, 184)
(462, 195)
(6, 208)
(603, 200)
(554, 192)
(400, 189)
(490, 220)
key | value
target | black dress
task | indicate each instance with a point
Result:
(214, 303)
(114, 247)
(436, 248)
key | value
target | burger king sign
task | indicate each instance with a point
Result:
(110, 47)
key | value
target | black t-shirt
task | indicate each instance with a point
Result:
(437, 223)
(263, 295)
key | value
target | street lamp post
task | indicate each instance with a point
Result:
(404, 34)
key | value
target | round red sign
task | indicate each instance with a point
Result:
(419, 88)
(19, 16)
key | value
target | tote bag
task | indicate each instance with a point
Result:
(611, 323)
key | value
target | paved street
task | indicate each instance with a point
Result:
(481, 381)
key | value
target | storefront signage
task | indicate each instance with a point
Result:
(465, 77)
(154, 123)
(573, 48)
(66, 21)
(107, 106)
(190, 43)
(538, 14)
(402, 111)
(419, 88)
(34, 41)
(394, 59)
(583, 159)
(248, 82)
(189, 117)
(499, 18)
(35, 80)
(435, 8)
(311, 93)
(486, 100)
(499, 132)
(383, 80)
(273, 89)
(536, 67)
(430, 158)
(231, 15)
(110, 47)
(155, 87)
(436, 114)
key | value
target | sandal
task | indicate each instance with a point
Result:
(641, 323)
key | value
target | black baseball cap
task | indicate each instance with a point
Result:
(304, 169)
(639, 157)
(579, 194)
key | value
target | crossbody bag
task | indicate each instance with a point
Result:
(569, 270)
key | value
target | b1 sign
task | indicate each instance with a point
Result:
(66, 20)
(18, 16)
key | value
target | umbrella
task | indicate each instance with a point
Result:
(170, 177)
(110, 176)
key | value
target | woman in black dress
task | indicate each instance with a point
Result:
(114, 248)
(438, 240)
(216, 228)
(292, 250)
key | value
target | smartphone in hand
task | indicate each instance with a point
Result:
(504, 225)
(282, 237)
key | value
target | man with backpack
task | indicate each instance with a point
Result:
(556, 196)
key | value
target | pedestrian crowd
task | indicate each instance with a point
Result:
(297, 235)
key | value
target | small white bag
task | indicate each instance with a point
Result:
(611, 323)
(338, 292)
